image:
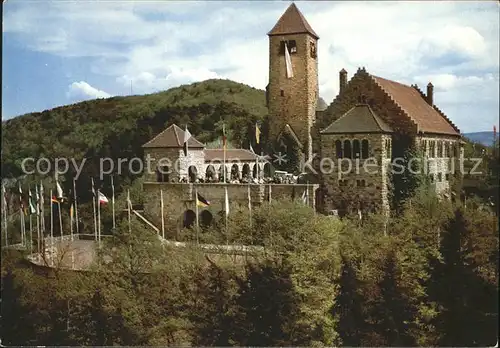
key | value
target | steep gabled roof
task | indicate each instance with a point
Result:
(359, 119)
(292, 22)
(173, 136)
(429, 119)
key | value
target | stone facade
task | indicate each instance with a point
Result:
(179, 198)
(174, 162)
(443, 155)
(352, 184)
(293, 100)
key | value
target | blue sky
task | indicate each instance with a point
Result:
(61, 52)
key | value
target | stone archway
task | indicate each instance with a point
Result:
(268, 170)
(245, 171)
(192, 173)
(206, 218)
(221, 173)
(235, 172)
(255, 170)
(188, 218)
(210, 174)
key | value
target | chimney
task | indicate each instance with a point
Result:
(342, 80)
(430, 94)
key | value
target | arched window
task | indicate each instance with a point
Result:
(162, 174)
(338, 148)
(356, 149)
(364, 149)
(347, 149)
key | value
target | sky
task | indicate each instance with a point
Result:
(60, 52)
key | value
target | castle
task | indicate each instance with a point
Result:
(372, 119)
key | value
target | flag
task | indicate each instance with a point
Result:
(102, 198)
(71, 211)
(251, 148)
(60, 194)
(201, 201)
(129, 202)
(257, 133)
(226, 201)
(187, 135)
(21, 203)
(32, 209)
(54, 199)
(288, 63)
(304, 197)
(93, 190)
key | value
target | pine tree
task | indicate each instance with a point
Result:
(348, 306)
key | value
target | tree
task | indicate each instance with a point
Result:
(348, 306)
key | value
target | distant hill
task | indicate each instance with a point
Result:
(117, 127)
(485, 138)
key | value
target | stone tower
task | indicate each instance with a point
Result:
(292, 99)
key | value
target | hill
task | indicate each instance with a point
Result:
(484, 138)
(117, 127)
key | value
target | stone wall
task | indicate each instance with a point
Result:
(365, 184)
(175, 159)
(442, 154)
(178, 198)
(297, 105)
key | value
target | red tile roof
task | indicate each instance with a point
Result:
(292, 22)
(428, 118)
(173, 136)
(231, 155)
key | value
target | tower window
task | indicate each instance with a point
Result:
(314, 54)
(338, 148)
(364, 149)
(290, 44)
(347, 149)
(282, 92)
(356, 149)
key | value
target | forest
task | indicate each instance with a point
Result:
(430, 278)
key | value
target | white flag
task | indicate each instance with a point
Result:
(227, 201)
(288, 63)
(304, 197)
(59, 190)
(102, 198)
(251, 148)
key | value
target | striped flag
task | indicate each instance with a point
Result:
(288, 63)
(60, 193)
(102, 198)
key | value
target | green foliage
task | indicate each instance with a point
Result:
(429, 278)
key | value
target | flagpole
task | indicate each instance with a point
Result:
(31, 233)
(129, 205)
(224, 150)
(98, 218)
(71, 234)
(37, 220)
(197, 217)
(226, 212)
(5, 212)
(93, 204)
(76, 207)
(162, 216)
(51, 229)
(113, 201)
(21, 213)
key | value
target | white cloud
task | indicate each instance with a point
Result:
(157, 45)
(82, 90)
